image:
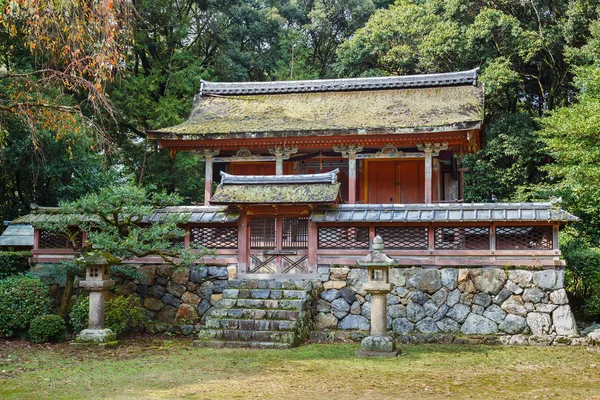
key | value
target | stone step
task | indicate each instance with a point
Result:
(220, 344)
(246, 335)
(269, 284)
(264, 294)
(251, 313)
(251, 324)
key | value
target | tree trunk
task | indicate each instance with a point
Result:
(67, 294)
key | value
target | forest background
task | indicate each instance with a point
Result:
(81, 81)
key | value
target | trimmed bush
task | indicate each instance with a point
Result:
(13, 263)
(47, 328)
(22, 298)
(123, 313)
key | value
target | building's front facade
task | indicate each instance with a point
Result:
(310, 172)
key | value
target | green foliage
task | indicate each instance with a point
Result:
(510, 160)
(22, 298)
(123, 314)
(13, 263)
(47, 328)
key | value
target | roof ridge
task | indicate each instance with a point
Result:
(325, 85)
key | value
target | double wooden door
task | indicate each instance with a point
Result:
(278, 245)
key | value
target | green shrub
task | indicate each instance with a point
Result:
(22, 298)
(13, 263)
(47, 328)
(123, 313)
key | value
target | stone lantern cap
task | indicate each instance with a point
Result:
(376, 258)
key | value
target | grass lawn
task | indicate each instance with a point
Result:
(171, 368)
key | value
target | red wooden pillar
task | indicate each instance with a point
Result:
(431, 150)
(313, 243)
(243, 247)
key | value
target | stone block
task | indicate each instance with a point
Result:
(488, 280)
(441, 312)
(232, 272)
(153, 304)
(514, 305)
(495, 313)
(430, 308)
(191, 299)
(478, 325)
(397, 311)
(165, 270)
(323, 272)
(147, 275)
(545, 308)
(95, 336)
(157, 291)
(171, 300)
(126, 288)
(415, 312)
(167, 314)
(402, 326)
(186, 313)
(513, 287)
(419, 298)
(564, 322)
(425, 280)
(355, 308)
(357, 277)
(354, 322)
(203, 307)
(447, 325)
(427, 326)
(231, 293)
(325, 321)
(397, 278)
(180, 275)
(217, 272)
(482, 299)
(198, 274)
(477, 309)
(547, 280)
(513, 324)
(334, 285)
(453, 298)
(449, 278)
(377, 344)
(348, 295)
(502, 296)
(176, 289)
(330, 295)
(459, 312)
(521, 277)
(340, 308)
(559, 297)
(539, 323)
(535, 295)
(339, 273)
(463, 275)
(440, 297)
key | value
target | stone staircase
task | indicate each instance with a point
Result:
(259, 314)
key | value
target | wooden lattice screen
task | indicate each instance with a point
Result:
(524, 238)
(214, 237)
(52, 240)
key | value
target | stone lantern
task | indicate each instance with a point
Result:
(378, 285)
(97, 282)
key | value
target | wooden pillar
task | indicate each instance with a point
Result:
(349, 152)
(431, 150)
(281, 153)
(208, 155)
(313, 243)
(243, 248)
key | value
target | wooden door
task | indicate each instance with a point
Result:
(410, 181)
(278, 245)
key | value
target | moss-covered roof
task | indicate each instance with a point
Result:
(276, 194)
(354, 112)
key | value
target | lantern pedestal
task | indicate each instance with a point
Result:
(97, 282)
(379, 343)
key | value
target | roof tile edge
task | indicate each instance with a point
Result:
(325, 85)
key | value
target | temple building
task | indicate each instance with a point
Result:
(301, 176)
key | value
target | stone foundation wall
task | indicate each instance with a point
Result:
(473, 301)
(175, 298)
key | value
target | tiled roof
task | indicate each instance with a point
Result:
(470, 212)
(326, 177)
(17, 235)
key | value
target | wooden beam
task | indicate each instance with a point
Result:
(352, 178)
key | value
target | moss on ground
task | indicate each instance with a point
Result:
(173, 369)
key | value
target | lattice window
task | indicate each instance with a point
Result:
(343, 237)
(214, 237)
(52, 240)
(262, 233)
(295, 233)
(403, 237)
(524, 238)
(462, 238)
